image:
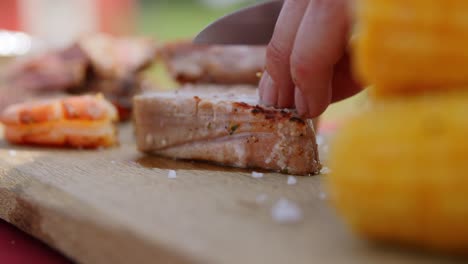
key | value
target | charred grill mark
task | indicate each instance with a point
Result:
(242, 105)
(255, 111)
(297, 120)
(232, 128)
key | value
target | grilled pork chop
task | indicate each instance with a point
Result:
(227, 128)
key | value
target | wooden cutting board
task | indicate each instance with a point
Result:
(119, 206)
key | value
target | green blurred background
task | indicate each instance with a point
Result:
(176, 19)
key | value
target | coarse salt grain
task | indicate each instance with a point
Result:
(286, 212)
(261, 198)
(12, 153)
(292, 180)
(149, 139)
(172, 174)
(325, 170)
(319, 140)
(113, 161)
(257, 175)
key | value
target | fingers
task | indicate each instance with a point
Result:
(318, 46)
(276, 86)
(344, 85)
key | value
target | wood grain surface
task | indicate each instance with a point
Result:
(119, 206)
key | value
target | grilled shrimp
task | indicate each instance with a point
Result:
(79, 121)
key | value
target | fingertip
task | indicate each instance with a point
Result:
(317, 109)
(301, 105)
(311, 105)
(268, 90)
(261, 85)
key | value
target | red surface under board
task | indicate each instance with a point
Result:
(17, 247)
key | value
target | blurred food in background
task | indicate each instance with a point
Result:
(75, 121)
(407, 185)
(96, 63)
(189, 63)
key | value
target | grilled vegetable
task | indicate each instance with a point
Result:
(412, 46)
(400, 172)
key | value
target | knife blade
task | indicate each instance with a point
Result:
(253, 25)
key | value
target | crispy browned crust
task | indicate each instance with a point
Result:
(226, 131)
(189, 63)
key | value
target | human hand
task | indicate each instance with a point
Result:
(307, 62)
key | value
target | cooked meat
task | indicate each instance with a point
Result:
(189, 63)
(96, 63)
(118, 58)
(226, 128)
(54, 71)
(80, 121)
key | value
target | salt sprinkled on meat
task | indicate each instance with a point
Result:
(172, 174)
(292, 180)
(257, 175)
(12, 153)
(286, 212)
(325, 170)
(149, 139)
(261, 198)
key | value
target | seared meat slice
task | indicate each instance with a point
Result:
(189, 63)
(228, 129)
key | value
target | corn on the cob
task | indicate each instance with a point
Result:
(406, 46)
(400, 172)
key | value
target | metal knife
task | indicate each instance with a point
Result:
(253, 25)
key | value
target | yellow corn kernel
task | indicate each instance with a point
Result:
(399, 172)
(409, 46)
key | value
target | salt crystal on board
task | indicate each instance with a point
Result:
(325, 170)
(257, 175)
(319, 139)
(172, 174)
(12, 153)
(292, 180)
(286, 212)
